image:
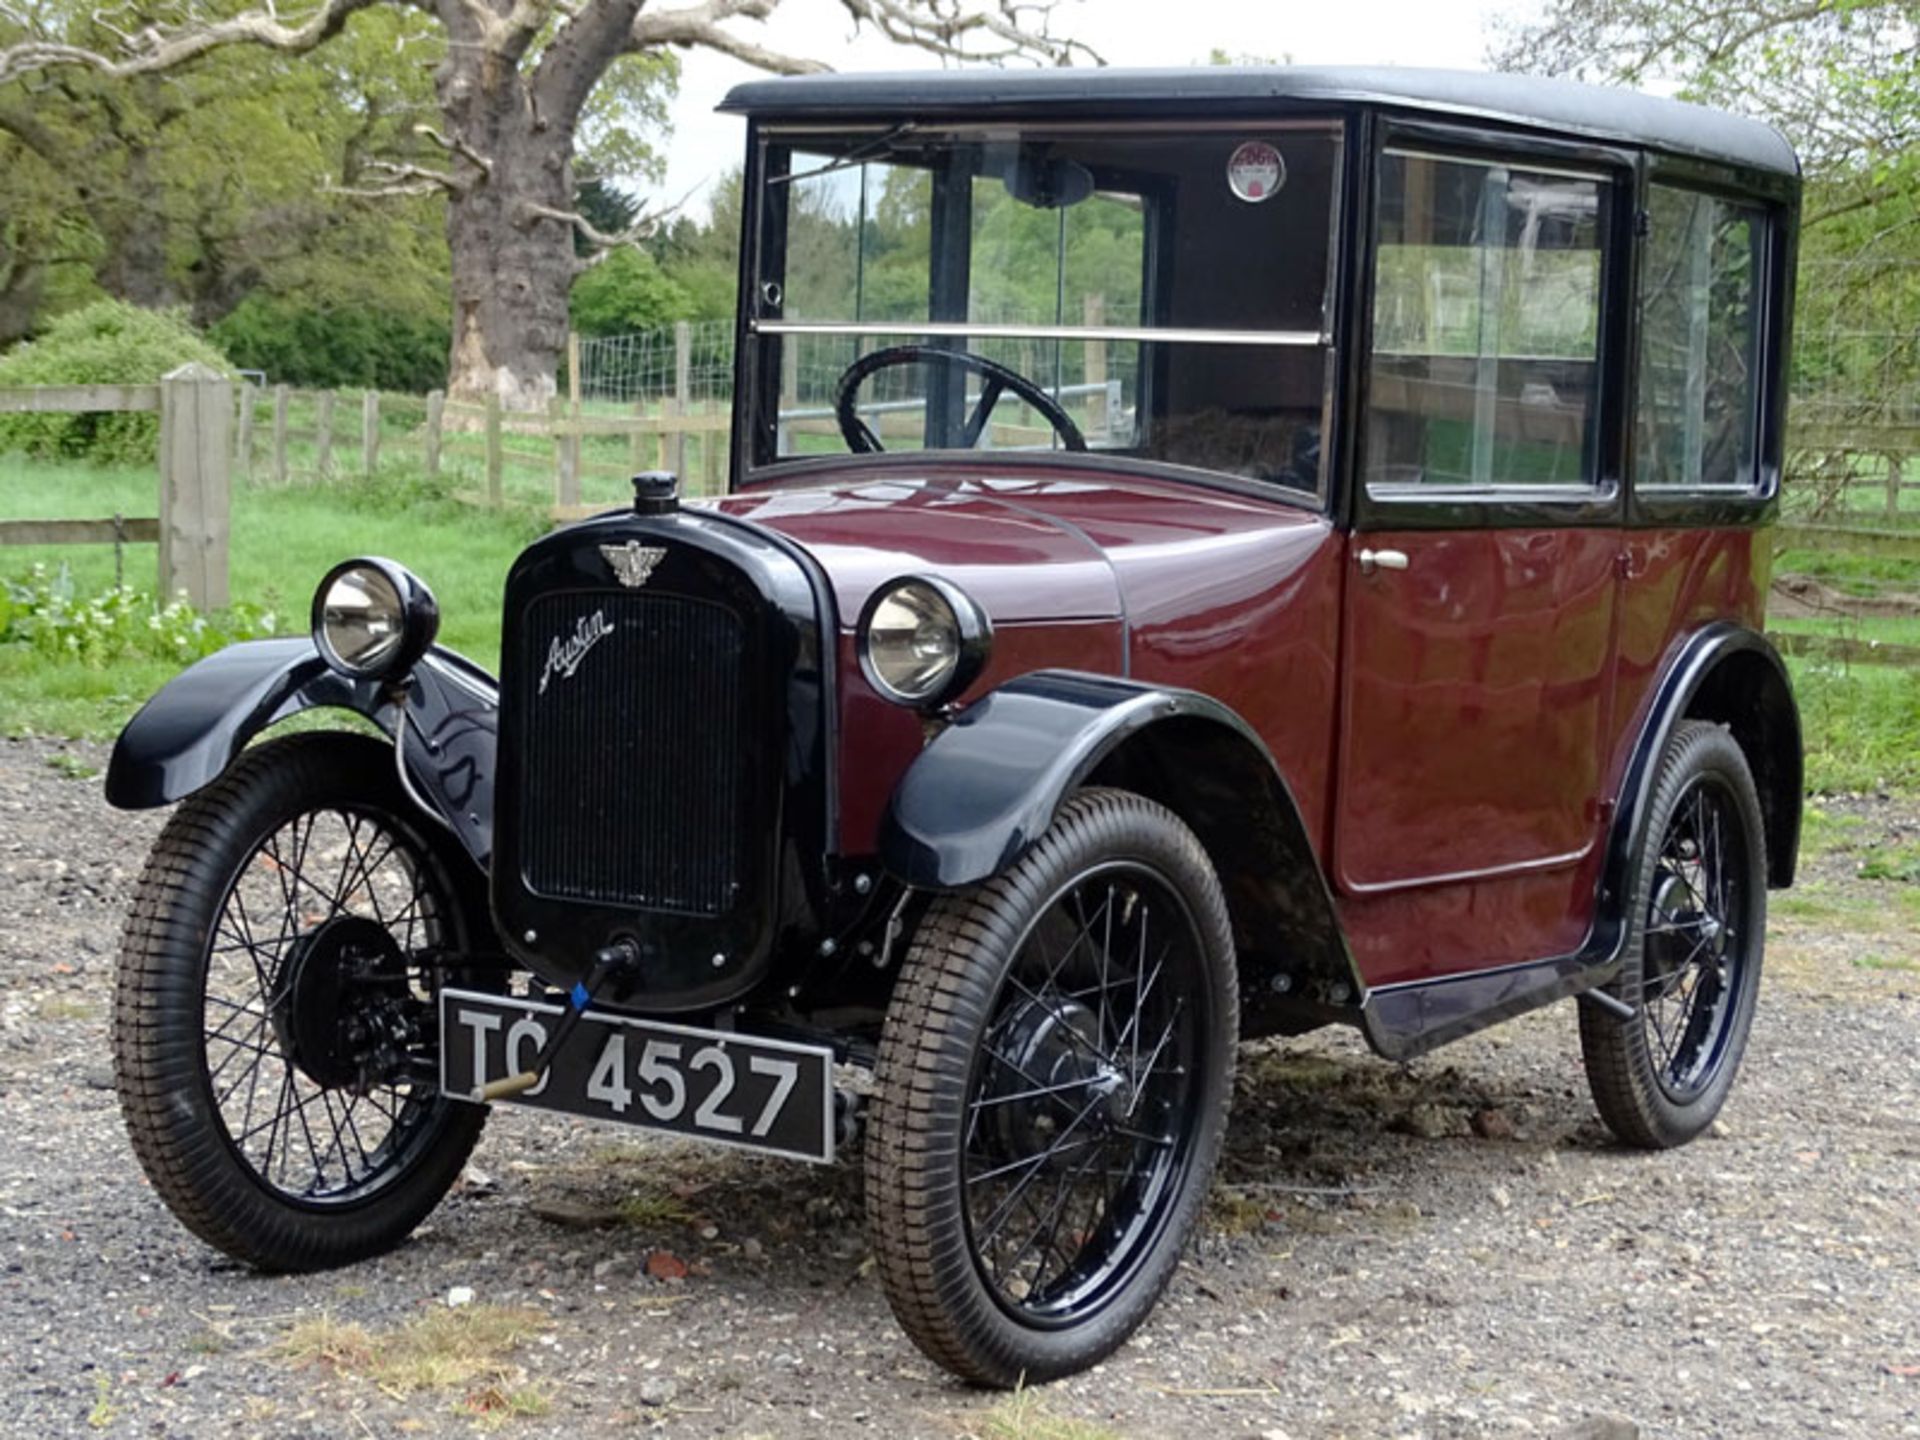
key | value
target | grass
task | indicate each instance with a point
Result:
(1860, 725)
(72, 766)
(653, 1208)
(1899, 863)
(1024, 1416)
(1882, 963)
(469, 1349)
(282, 542)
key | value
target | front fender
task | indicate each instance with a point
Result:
(980, 795)
(192, 729)
(987, 787)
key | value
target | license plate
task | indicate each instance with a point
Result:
(767, 1095)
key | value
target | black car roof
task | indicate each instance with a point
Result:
(1592, 111)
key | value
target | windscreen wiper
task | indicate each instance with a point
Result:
(857, 156)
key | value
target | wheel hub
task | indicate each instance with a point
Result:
(1053, 1047)
(343, 1013)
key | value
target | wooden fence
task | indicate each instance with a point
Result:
(489, 436)
(196, 443)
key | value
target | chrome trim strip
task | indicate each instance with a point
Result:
(955, 330)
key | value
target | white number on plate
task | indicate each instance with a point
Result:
(609, 1079)
(656, 1067)
(787, 1073)
(714, 1058)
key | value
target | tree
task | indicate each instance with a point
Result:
(1841, 78)
(201, 187)
(513, 86)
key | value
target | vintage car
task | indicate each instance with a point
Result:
(1207, 554)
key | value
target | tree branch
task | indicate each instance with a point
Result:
(703, 27)
(578, 56)
(403, 180)
(154, 49)
(454, 147)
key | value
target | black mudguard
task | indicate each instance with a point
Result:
(193, 728)
(990, 784)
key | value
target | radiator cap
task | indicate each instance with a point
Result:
(656, 492)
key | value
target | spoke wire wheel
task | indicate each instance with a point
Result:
(1052, 1094)
(1692, 971)
(273, 1019)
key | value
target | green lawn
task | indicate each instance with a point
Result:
(282, 541)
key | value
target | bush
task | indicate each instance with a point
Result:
(625, 292)
(45, 613)
(105, 343)
(345, 348)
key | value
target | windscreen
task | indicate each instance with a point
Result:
(1154, 293)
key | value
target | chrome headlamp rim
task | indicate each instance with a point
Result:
(419, 615)
(973, 633)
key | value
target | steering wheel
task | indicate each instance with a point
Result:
(996, 380)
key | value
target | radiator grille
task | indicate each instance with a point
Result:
(633, 762)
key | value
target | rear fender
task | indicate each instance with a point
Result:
(193, 728)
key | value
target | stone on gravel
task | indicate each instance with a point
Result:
(1600, 1427)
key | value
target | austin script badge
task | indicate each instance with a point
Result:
(566, 652)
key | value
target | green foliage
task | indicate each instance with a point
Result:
(627, 291)
(1861, 726)
(334, 346)
(48, 614)
(106, 343)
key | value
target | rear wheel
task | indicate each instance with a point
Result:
(1692, 970)
(274, 1031)
(1052, 1092)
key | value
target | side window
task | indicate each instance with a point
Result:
(1697, 397)
(1485, 369)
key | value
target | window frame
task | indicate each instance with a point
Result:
(757, 365)
(1665, 506)
(1502, 507)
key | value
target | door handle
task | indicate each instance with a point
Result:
(1372, 560)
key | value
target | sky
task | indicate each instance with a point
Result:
(1447, 33)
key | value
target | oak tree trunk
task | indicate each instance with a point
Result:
(512, 267)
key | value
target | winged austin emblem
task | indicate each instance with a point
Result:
(633, 562)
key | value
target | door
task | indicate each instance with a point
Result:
(1483, 566)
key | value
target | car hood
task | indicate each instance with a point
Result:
(1029, 545)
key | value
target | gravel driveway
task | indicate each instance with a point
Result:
(1450, 1249)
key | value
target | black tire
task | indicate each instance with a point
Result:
(1692, 971)
(994, 988)
(200, 990)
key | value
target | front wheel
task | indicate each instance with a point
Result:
(1052, 1093)
(274, 1032)
(1692, 968)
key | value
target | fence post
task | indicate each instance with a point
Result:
(710, 442)
(243, 446)
(369, 432)
(279, 434)
(566, 453)
(789, 391)
(494, 458)
(436, 417)
(323, 433)
(196, 446)
(1099, 412)
(573, 398)
(1893, 487)
(682, 393)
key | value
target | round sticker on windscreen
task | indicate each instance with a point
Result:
(1256, 172)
